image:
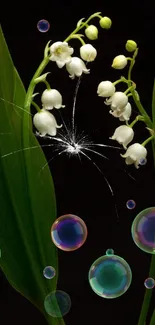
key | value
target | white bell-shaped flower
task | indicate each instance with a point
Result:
(45, 123)
(123, 116)
(76, 67)
(105, 89)
(88, 52)
(61, 53)
(134, 154)
(119, 62)
(123, 135)
(51, 98)
(118, 101)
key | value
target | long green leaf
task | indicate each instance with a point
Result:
(28, 206)
(152, 322)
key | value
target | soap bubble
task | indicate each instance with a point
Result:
(69, 232)
(57, 303)
(109, 251)
(143, 161)
(149, 283)
(143, 230)
(43, 25)
(49, 272)
(110, 276)
(130, 204)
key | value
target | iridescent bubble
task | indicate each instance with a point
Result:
(110, 276)
(43, 25)
(130, 204)
(143, 230)
(143, 161)
(57, 303)
(149, 283)
(69, 232)
(109, 251)
(49, 272)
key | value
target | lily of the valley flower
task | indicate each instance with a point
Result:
(118, 101)
(91, 32)
(119, 62)
(45, 123)
(123, 135)
(51, 98)
(76, 67)
(61, 53)
(134, 154)
(123, 116)
(105, 89)
(88, 52)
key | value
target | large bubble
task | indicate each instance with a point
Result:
(57, 303)
(143, 230)
(69, 232)
(110, 276)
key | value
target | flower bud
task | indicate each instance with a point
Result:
(105, 89)
(88, 52)
(91, 32)
(119, 62)
(105, 22)
(131, 46)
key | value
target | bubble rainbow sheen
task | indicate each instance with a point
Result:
(69, 232)
(143, 230)
(110, 276)
(149, 283)
(57, 303)
(49, 272)
(43, 25)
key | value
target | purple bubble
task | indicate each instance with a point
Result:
(69, 232)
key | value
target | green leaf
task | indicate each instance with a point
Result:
(152, 322)
(28, 205)
(153, 105)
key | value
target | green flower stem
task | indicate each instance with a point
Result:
(81, 26)
(28, 97)
(47, 84)
(78, 37)
(148, 294)
(138, 118)
(36, 106)
(129, 89)
(134, 95)
(148, 140)
(118, 81)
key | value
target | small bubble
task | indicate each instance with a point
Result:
(43, 25)
(149, 283)
(130, 204)
(49, 272)
(143, 161)
(57, 303)
(109, 251)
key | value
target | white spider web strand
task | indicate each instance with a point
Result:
(74, 104)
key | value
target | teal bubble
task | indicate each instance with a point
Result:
(149, 283)
(49, 272)
(143, 230)
(57, 303)
(110, 276)
(109, 251)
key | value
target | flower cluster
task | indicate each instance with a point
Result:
(61, 53)
(121, 108)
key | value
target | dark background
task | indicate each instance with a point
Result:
(80, 187)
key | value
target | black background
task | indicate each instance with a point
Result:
(80, 187)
